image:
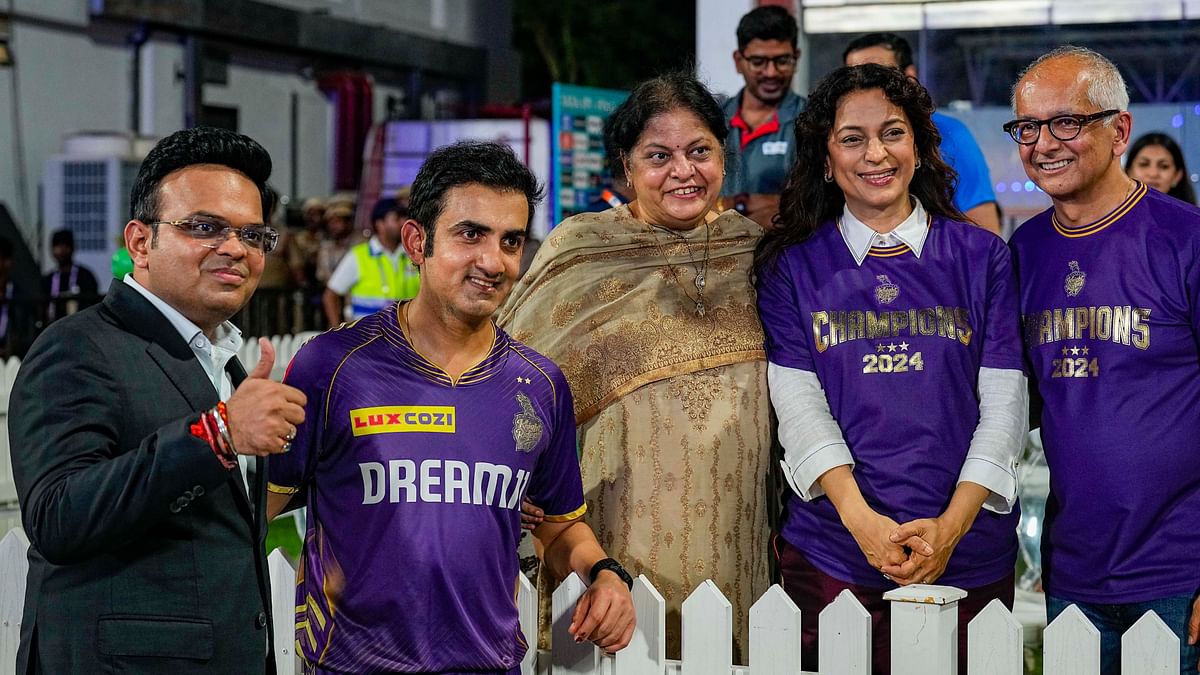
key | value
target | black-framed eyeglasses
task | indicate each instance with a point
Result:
(1062, 127)
(782, 62)
(212, 233)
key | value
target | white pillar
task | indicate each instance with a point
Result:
(924, 629)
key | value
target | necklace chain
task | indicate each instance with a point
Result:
(700, 271)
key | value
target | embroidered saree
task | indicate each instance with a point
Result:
(672, 404)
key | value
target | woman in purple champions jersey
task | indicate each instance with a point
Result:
(894, 363)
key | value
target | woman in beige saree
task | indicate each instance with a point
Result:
(649, 310)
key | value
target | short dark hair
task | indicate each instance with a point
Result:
(6, 248)
(677, 90)
(388, 205)
(809, 202)
(898, 45)
(491, 165)
(62, 238)
(190, 147)
(771, 22)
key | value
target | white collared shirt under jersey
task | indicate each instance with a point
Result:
(859, 236)
(213, 356)
(813, 442)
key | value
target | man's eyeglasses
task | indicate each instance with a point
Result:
(213, 233)
(782, 62)
(1062, 127)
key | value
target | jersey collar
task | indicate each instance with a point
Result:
(908, 235)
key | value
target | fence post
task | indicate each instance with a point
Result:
(1072, 645)
(569, 657)
(283, 611)
(707, 632)
(1149, 648)
(925, 629)
(844, 645)
(14, 567)
(995, 642)
(527, 611)
(775, 634)
(647, 651)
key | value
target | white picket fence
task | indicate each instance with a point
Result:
(923, 634)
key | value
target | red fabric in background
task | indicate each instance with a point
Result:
(352, 94)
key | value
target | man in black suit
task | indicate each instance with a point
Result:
(138, 467)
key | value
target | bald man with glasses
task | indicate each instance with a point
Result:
(1109, 286)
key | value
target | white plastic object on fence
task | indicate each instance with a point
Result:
(925, 620)
(1150, 648)
(283, 611)
(844, 629)
(14, 568)
(1072, 645)
(995, 642)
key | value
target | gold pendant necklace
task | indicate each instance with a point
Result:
(700, 271)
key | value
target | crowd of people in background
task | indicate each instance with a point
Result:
(782, 301)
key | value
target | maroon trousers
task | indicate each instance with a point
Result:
(812, 590)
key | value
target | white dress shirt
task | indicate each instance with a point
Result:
(213, 356)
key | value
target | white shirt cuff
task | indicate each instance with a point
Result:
(999, 436)
(810, 436)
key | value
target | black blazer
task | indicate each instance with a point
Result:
(146, 555)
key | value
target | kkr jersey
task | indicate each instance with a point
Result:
(1111, 323)
(897, 344)
(414, 485)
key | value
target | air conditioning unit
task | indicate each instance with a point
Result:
(86, 190)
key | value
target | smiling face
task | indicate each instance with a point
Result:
(769, 83)
(676, 168)
(206, 285)
(872, 156)
(1079, 169)
(1155, 167)
(476, 253)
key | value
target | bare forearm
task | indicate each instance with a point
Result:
(986, 216)
(839, 485)
(964, 505)
(572, 547)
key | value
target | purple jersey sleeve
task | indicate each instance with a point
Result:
(1002, 346)
(556, 485)
(783, 322)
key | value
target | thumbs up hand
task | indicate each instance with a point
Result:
(263, 414)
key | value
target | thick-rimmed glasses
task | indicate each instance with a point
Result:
(212, 233)
(1062, 127)
(782, 62)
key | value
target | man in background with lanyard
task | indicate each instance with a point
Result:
(374, 273)
(69, 287)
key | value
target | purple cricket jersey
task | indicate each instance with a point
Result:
(897, 344)
(414, 487)
(1111, 323)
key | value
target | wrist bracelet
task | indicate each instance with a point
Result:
(220, 415)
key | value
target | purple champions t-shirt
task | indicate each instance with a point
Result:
(414, 485)
(1111, 323)
(897, 344)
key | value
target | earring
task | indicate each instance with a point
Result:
(918, 164)
(828, 176)
(628, 182)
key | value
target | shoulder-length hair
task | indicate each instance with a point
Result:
(1183, 189)
(808, 200)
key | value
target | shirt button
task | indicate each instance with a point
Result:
(260, 621)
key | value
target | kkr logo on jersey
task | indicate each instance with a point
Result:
(392, 419)
(1075, 280)
(527, 426)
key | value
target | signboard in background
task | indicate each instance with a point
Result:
(409, 142)
(578, 166)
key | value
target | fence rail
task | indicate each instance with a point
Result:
(923, 634)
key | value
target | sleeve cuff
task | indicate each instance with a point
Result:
(1001, 481)
(803, 477)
